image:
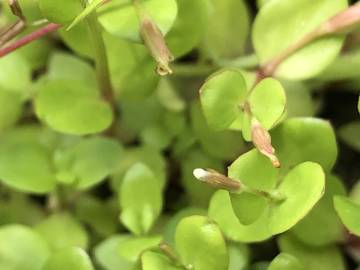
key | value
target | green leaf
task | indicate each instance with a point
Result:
(61, 14)
(170, 227)
(220, 209)
(88, 162)
(15, 73)
(324, 258)
(99, 215)
(218, 144)
(247, 207)
(271, 36)
(168, 96)
(232, 20)
(317, 140)
(78, 40)
(10, 108)
(119, 18)
(350, 134)
(64, 66)
(145, 155)
(322, 226)
(55, 106)
(285, 261)
(21, 248)
(185, 35)
(140, 199)
(89, 9)
(349, 213)
(62, 230)
(222, 96)
(152, 260)
(69, 258)
(132, 248)
(303, 187)
(200, 244)
(17, 148)
(239, 256)
(267, 102)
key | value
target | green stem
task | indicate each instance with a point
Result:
(101, 62)
(186, 70)
(270, 195)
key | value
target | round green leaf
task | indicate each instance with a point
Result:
(200, 244)
(152, 260)
(350, 134)
(220, 209)
(122, 251)
(221, 98)
(267, 102)
(322, 226)
(69, 258)
(316, 138)
(15, 73)
(21, 248)
(119, 17)
(324, 258)
(62, 230)
(239, 256)
(248, 207)
(10, 108)
(140, 199)
(55, 106)
(285, 261)
(232, 20)
(88, 162)
(185, 34)
(16, 171)
(349, 213)
(271, 36)
(303, 187)
(60, 13)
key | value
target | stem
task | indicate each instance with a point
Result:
(186, 70)
(51, 27)
(101, 63)
(12, 32)
(272, 195)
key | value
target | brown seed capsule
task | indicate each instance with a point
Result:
(154, 40)
(217, 180)
(262, 141)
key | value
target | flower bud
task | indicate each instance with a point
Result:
(216, 179)
(262, 141)
(155, 42)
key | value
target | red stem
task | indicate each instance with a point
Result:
(51, 27)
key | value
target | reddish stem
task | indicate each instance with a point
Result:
(51, 27)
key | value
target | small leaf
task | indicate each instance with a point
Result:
(61, 14)
(317, 140)
(322, 226)
(220, 209)
(271, 36)
(232, 19)
(200, 244)
(285, 261)
(222, 97)
(248, 207)
(239, 256)
(120, 19)
(10, 108)
(88, 162)
(55, 106)
(19, 239)
(151, 260)
(69, 258)
(131, 248)
(140, 199)
(349, 213)
(62, 230)
(17, 148)
(303, 186)
(267, 102)
(322, 258)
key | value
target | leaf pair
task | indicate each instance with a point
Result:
(229, 104)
